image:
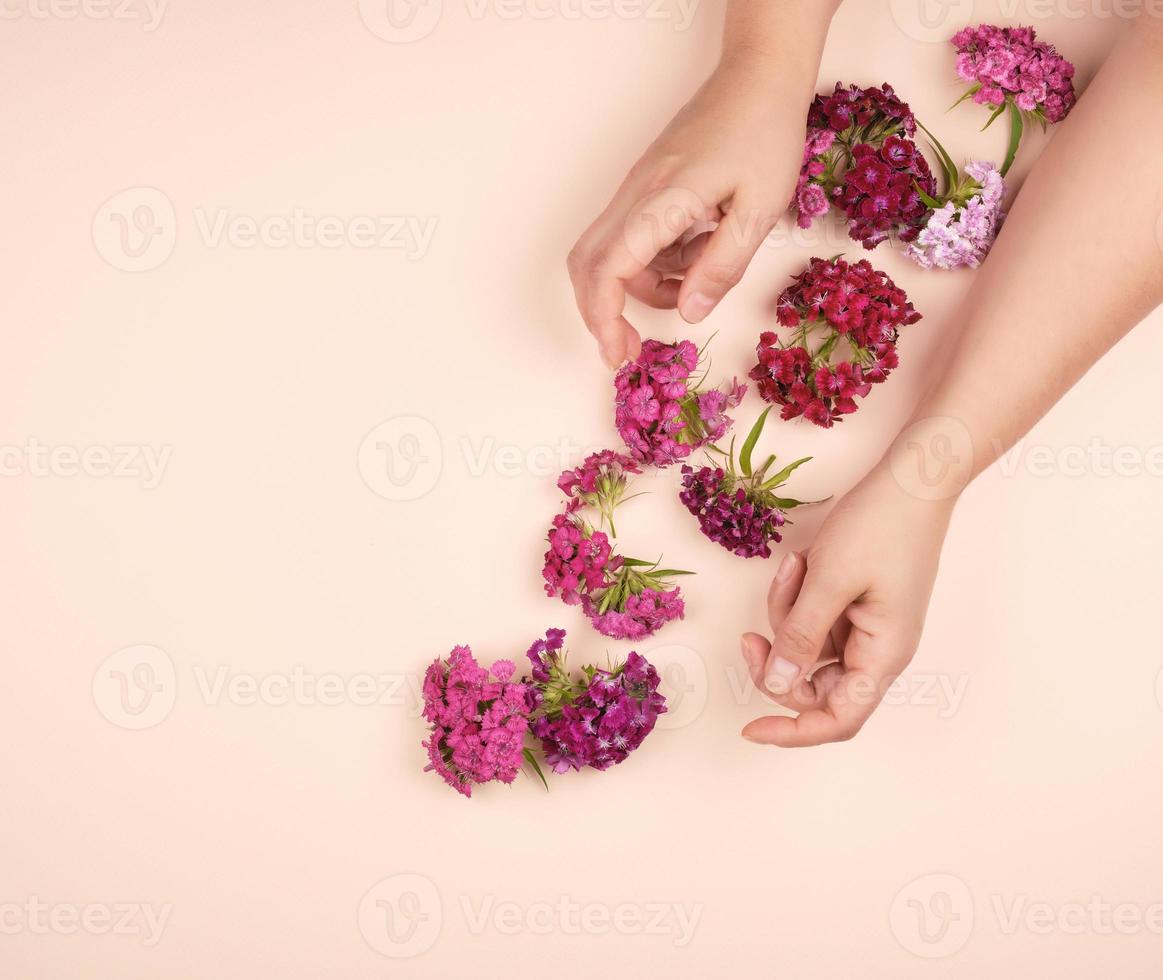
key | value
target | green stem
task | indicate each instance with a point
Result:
(1015, 138)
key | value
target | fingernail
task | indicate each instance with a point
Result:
(750, 738)
(780, 675)
(786, 567)
(696, 307)
(613, 363)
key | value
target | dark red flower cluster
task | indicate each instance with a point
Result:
(860, 157)
(829, 303)
(868, 112)
(881, 191)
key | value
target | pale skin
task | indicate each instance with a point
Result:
(1078, 265)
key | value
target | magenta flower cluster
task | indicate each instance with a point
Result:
(579, 560)
(660, 412)
(625, 599)
(1010, 63)
(478, 718)
(641, 614)
(598, 722)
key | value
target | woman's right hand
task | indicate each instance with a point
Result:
(731, 157)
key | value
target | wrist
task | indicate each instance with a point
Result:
(931, 460)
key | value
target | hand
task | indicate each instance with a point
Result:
(730, 157)
(847, 615)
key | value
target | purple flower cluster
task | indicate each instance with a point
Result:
(596, 723)
(478, 721)
(640, 615)
(1010, 63)
(660, 413)
(744, 526)
(962, 231)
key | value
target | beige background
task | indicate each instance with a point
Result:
(156, 753)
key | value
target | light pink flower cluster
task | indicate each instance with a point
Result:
(1010, 63)
(962, 231)
(811, 199)
(660, 412)
(478, 720)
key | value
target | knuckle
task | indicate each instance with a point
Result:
(723, 275)
(576, 260)
(796, 638)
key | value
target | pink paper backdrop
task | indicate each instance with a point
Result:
(290, 362)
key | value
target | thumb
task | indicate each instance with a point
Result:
(725, 258)
(801, 633)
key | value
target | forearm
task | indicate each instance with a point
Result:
(1077, 265)
(777, 36)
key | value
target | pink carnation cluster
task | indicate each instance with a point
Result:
(640, 614)
(479, 717)
(478, 720)
(624, 598)
(1010, 63)
(660, 411)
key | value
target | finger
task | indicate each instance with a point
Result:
(651, 288)
(600, 269)
(726, 257)
(850, 697)
(807, 694)
(802, 632)
(680, 256)
(781, 597)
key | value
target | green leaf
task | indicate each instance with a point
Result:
(637, 563)
(749, 444)
(532, 760)
(930, 202)
(780, 478)
(973, 90)
(789, 503)
(1015, 138)
(996, 112)
(947, 164)
(669, 573)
